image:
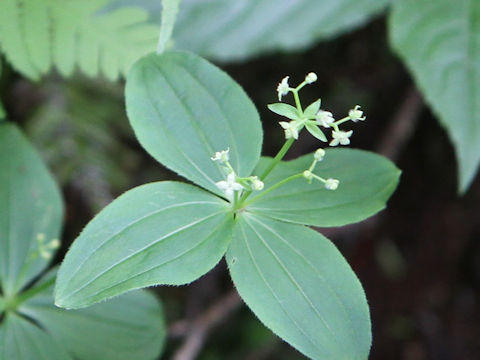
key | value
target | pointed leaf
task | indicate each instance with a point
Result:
(128, 327)
(159, 233)
(285, 110)
(183, 109)
(366, 182)
(440, 43)
(312, 109)
(22, 340)
(31, 208)
(315, 131)
(300, 286)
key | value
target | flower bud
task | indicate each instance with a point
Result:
(319, 154)
(311, 78)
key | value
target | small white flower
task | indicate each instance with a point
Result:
(356, 114)
(257, 184)
(332, 184)
(221, 156)
(324, 118)
(319, 154)
(283, 88)
(341, 137)
(54, 244)
(311, 78)
(229, 186)
(290, 129)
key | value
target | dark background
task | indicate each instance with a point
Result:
(418, 260)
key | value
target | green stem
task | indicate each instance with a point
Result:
(277, 158)
(275, 186)
(30, 293)
(298, 104)
(341, 121)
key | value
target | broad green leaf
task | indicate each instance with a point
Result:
(169, 16)
(235, 30)
(160, 233)
(312, 109)
(301, 287)
(315, 131)
(22, 340)
(183, 109)
(440, 43)
(2, 305)
(31, 208)
(36, 34)
(285, 110)
(128, 327)
(366, 182)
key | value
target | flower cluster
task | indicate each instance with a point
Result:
(313, 118)
(330, 184)
(45, 249)
(233, 185)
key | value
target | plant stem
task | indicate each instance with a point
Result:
(169, 16)
(275, 186)
(277, 158)
(15, 302)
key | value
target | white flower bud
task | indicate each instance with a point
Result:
(356, 114)
(324, 118)
(283, 88)
(221, 156)
(257, 184)
(311, 78)
(332, 184)
(319, 154)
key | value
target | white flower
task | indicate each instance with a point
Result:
(290, 129)
(324, 118)
(356, 114)
(221, 156)
(283, 88)
(319, 154)
(229, 186)
(311, 78)
(257, 184)
(341, 137)
(332, 184)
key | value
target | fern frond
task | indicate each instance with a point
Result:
(38, 34)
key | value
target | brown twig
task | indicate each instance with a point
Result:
(196, 331)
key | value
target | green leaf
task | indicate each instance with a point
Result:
(128, 327)
(235, 30)
(300, 286)
(31, 208)
(169, 16)
(312, 109)
(440, 43)
(20, 339)
(183, 109)
(285, 110)
(2, 305)
(36, 34)
(366, 182)
(315, 131)
(159, 233)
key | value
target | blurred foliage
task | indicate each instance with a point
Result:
(81, 129)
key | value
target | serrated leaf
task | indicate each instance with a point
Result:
(315, 131)
(31, 208)
(300, 286)
(366, 182)
(440, 43)
(235, 30)
(285, 110)
(160, 233)
(21, 339)
(183, 109)
(312, 109)
(36, 34)
(128, 327)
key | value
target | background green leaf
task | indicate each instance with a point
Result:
(159, 233)
(36, 34)
(300, 286)
(128, 327)
(21, 339)
(366, 182)
(31, 206)
(183, 109)
(235, 30)
(285, 110)
(440, 43)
